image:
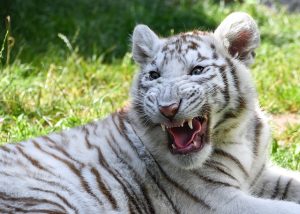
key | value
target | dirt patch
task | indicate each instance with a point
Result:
(280, 122)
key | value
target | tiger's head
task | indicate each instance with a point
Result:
(194, 88)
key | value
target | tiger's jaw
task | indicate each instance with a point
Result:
(188, 136)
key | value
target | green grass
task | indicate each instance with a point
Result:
(286, 148)
(70, 62)
(65, 94)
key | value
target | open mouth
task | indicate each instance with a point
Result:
(188, 136)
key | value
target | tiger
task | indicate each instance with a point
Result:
(192, 140)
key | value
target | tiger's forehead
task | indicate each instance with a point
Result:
(185, 41)
(186, 49)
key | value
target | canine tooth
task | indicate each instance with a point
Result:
(195, 143)
(173, 146)
(190, 123)
(163, 127)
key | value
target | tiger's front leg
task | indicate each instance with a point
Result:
(277, 183)
(230, 202)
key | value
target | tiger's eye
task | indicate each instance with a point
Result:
(154, 75)
(197, 70)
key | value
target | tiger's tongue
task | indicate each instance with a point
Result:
(183, 136)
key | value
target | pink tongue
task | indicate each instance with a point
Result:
(183, 136)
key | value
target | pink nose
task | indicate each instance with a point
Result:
(169, 111)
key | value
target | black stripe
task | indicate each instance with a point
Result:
(195, 106)
(146, 195)
(195, 103)
(138, 107)
(95, 127)
(116, 175)
(257, 133)
(233, 113)
(161, 188)
(136, 178)
(212, 46)
(153, 177)
(6, 197)
(113, 116)
(234, 159)
(104, 189)
(131, 209)
(214, 182)
(55, 184)
(214, 162)
(234, 75)
(276, 189)
(201, 58)
(215, 55)
(191, 95)
(262, 191)
(14, 209)
(196, 98)
(242, 105)
(206, 79)
(65, 201)
(33, 161)
(4, 148)
(226, 116)
(86, 136)
(225, 91)
(286, 189)
(61, 150)
(74, 169)
(183, 190)
(112, 141)
(258, 175)
(214, 165)
(148, 105)
(167, 178)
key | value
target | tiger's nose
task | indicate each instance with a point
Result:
(169, 111)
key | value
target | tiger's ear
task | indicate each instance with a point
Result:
(240, 36)
(145, 44)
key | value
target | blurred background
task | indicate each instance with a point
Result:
(64, 63)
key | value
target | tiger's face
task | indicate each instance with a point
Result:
(186, 86)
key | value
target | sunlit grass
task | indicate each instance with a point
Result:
(286, 148)
(66, 94)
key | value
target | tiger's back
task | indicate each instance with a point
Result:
(96, 168)
(76, 171)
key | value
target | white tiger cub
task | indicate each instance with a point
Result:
(193, 139)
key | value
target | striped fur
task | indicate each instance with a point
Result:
(122, 164)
